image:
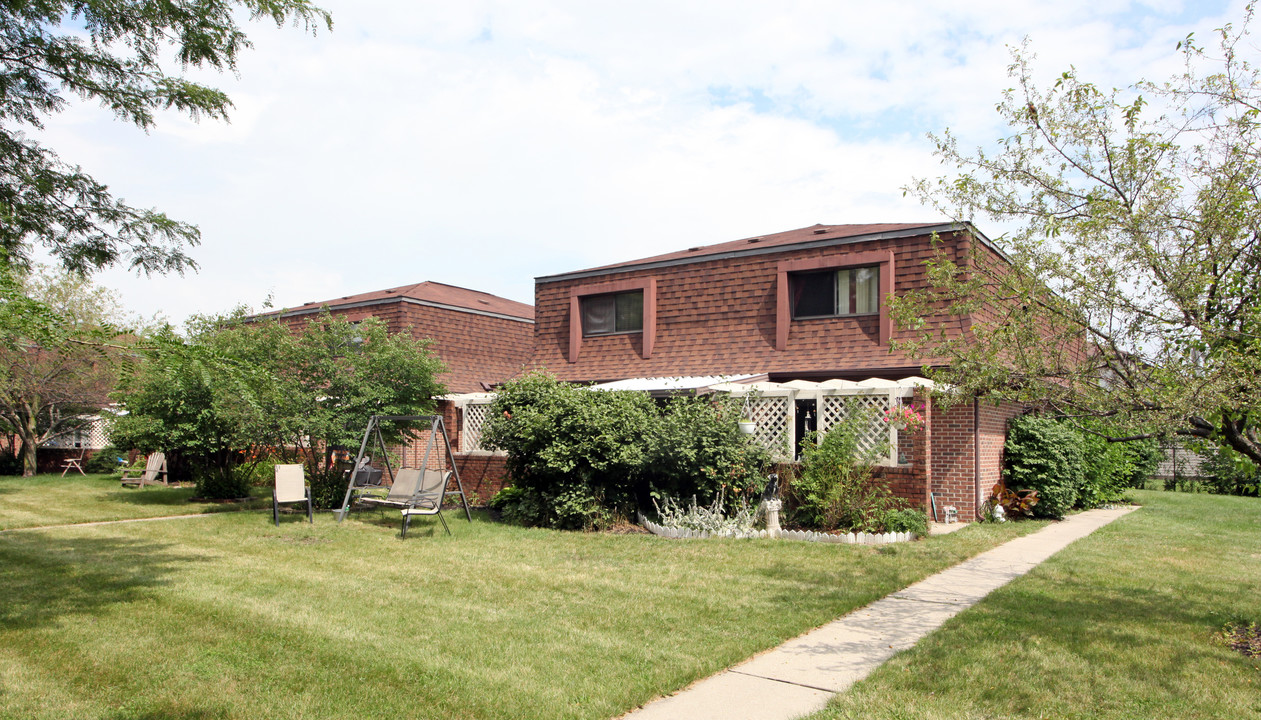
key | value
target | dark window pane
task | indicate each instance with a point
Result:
(598, 315)
(630, 311)
(814, 294)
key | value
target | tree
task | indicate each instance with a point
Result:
(1133, 291)
(114, 53)
(47, 387)
(240, 390)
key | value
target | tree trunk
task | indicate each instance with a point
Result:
(29, 445)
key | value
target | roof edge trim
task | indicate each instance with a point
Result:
(413, 301)
(805, 245)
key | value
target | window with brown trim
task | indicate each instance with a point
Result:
(612, 313)
(835, 293)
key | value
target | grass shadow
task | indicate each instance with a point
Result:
(46, 579)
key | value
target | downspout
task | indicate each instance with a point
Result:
(976, 456)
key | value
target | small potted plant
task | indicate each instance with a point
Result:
(747, 425)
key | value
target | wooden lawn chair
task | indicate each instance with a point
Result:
(153, 467)
(74, 463)
(290, 487)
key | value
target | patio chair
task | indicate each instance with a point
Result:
(428, 500)
(415, 493)
(153, 467)
(74, 463)
(290, 487)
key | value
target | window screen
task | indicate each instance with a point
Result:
(613, 313)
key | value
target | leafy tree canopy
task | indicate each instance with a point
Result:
(1133, 290)
(238, 390)
(59, 358)
(116, 53)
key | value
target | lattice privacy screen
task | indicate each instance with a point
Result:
(772, 418)
(835, 408)
(92, 436)
(474, 418)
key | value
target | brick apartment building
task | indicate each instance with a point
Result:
(805, 304)
(484, 340)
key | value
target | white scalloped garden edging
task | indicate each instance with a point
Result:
(846, 539)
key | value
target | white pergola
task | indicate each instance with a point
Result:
(772, 405)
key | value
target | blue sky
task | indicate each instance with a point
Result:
(482, 144)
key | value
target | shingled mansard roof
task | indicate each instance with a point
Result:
(432, 294)
(799, 239)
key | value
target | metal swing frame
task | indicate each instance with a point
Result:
(373, 431)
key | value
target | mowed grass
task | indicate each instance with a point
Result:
(55, 500)
(1118, 625)
(230, 617)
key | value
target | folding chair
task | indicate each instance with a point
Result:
(74, 463)
(153, 467)
(290, 487)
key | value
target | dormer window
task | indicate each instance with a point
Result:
(613, 313)
(841, 285)
(836, 293)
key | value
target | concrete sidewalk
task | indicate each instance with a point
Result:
(800, 676)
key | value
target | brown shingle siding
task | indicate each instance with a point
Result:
(719, 316)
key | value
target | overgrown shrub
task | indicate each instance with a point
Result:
(518, 506)
(217, 483)
(1109, 468)
(105, 460)
(577, 455)
(328, 486)
(696, 449)
(1228, 472)
(1044, 455)
(835, 487)
(10, 464)
(912, 520)
(582, 459)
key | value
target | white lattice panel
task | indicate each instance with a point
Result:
(92, 436)
(772, 418)
(474, 418)
(835, 408)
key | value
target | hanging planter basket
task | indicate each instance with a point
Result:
(747, 427)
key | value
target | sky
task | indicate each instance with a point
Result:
(483, 144)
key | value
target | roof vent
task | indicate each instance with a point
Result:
(753, 240)
(694, 249)
(484, 302)
(820, 231)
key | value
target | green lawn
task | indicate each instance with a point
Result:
(230, 617)
(1118, 625)
(54, 500)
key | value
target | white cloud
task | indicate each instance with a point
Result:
(484, 143)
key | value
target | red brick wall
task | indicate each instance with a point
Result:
(954, 462)
(476, 348)
(483, 474)
(719, 316)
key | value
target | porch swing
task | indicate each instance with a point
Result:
(413, 491)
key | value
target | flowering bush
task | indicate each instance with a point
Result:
(910, 417)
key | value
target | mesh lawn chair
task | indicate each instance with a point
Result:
(428, 499)
(153, 467)
(415, 493)
(290, 487)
